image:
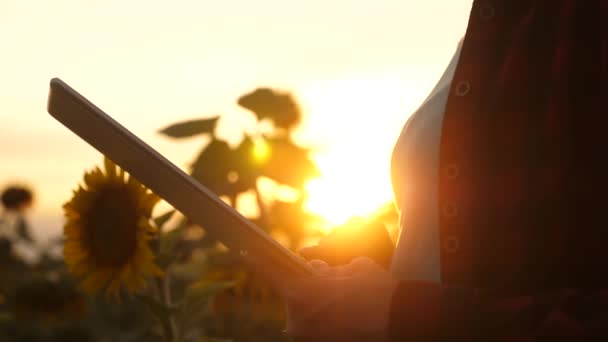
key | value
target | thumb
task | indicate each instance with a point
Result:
(310, 253)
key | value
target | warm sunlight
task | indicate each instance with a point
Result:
(261, 151)
(286, 110)
(362, 116)
(334, 198)
(357, 83)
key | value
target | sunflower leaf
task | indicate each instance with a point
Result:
(165, 259)
(171, 238)
(280, 107)
(289, 164)
(204, 290)
(5, 317)
(196, 299)
(225, 170)
(164, 218)
(190, 128)
(158, 309)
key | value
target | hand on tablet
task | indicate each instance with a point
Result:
(345, 244)
(352, 300)
(345, 301)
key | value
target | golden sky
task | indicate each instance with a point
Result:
(358, 68)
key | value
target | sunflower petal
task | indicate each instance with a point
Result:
(110, 167)
(96, 281)
(113, 289)
(121, 174)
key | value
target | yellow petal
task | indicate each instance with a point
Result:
(95, 281)
(147, 205)
(71, 214)
(72, 230)
(121, 174)
(113, 289)
(110, 167)
(151, 269)
(81, 267)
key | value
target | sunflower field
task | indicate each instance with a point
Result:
(130, 268)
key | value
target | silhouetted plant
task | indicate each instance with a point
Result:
(279, 107)
(231, 171)
(250, 310)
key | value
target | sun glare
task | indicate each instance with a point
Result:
(337, 199)
(357, 120)
(261, 151)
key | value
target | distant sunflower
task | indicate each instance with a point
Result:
(107, 232)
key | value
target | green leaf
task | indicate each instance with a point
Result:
(158, 309)
(224, 170)
(5, 317)
(165, 259)
(190, 128)
(289, 163)
(169, 239)
(164, 218)
(205, 290)
(196, 299)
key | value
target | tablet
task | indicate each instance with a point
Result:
(184, 193)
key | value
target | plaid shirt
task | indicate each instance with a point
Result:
(523, 192)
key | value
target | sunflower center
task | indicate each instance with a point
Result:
(111, 226)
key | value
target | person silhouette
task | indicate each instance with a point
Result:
(501, 185)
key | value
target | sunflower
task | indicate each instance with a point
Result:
(107, 232)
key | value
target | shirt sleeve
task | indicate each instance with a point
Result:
(425, 310)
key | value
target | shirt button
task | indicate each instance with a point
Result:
(487, 12)
(463, 88)
(450, 210)
(452, 171)
(451, 244)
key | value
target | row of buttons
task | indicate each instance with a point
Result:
(486, 11)
(452, 171)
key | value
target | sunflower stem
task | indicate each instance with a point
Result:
(164, 292)
(170, 329)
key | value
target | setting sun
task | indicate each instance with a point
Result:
(356, 83)
(359, 117)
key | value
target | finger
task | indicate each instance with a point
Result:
(361, 262)
(318, 265)
(335, 271)
(357, 265)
